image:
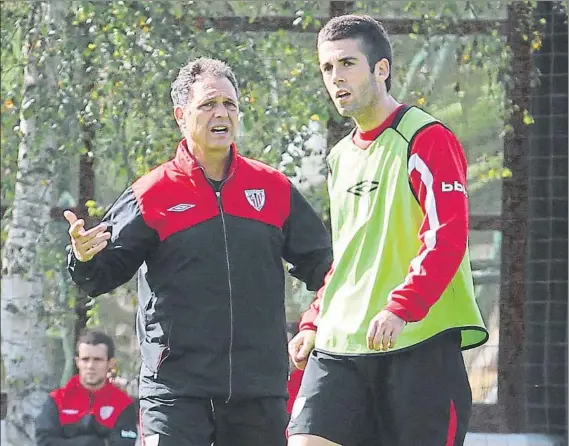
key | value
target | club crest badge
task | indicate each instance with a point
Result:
(106, 412)
(256, 198)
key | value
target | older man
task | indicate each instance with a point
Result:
(210, 229)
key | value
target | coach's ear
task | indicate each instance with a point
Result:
(179, 116)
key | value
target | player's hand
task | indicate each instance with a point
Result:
(383, 330)
(300, 346)
(86, 244)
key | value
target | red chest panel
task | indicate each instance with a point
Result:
(171, 201)
(74, 402)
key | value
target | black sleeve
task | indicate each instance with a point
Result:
(308, 246)
(125, 431)
(130, 242)
(50, 433)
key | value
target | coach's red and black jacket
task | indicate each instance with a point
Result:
(74, 416)
(211, 319)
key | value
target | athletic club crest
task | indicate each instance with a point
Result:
(256, 198)
(106, 412)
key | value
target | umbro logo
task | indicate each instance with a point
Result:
(363, 187)
(181, 207)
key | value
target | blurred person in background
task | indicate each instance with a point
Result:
(89, 410)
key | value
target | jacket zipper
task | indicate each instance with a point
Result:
(163, 356)
(161, 359)
(220, 204)
(221, 212)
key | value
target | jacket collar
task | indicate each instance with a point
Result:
(188, 163)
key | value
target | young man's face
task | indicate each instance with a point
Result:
(351, 84)
(93, 365)
(210, 118)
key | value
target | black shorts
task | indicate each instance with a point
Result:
(168, 421)
(416, 397)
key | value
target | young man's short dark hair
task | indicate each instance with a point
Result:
(371, 33)
(94, 337)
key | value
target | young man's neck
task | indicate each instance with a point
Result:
(215, 163)
(94, 388)
(380, 112)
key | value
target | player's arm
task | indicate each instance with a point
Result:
(307, 242)
(116, 260)
(437, 168)
(308, 318)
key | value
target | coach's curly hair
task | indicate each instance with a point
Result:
(190, 73)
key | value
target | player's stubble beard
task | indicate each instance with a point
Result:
(365, 100)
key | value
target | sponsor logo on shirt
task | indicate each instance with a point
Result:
(70, 411)
(128, 434)
(456, 186)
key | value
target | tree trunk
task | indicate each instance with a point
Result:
(24, 342)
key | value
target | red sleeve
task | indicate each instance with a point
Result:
(308, 318)
(437, 172)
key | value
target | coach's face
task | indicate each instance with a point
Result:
(352, 85)
(210, 118)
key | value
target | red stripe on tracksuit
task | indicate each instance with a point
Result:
(452, 425)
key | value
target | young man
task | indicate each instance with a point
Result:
(399, 305)
(89, 410)
(210, 229)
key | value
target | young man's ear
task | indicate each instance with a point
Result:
(112, 364)
(382, 70)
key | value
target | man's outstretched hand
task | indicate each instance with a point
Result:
(86, 244)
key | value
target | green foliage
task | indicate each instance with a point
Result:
(118, 59)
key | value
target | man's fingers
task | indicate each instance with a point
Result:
(89, 253)
(303, 352)
(293, 348)
(76, 228)
(293, 351)
(301, 365)
(393, 338)
(300, 347)
(371, 332)
(82, 244)
(97, 231)
(378, 339)
(387, 340)
(70, 217)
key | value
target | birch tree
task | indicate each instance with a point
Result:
(24, 348)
